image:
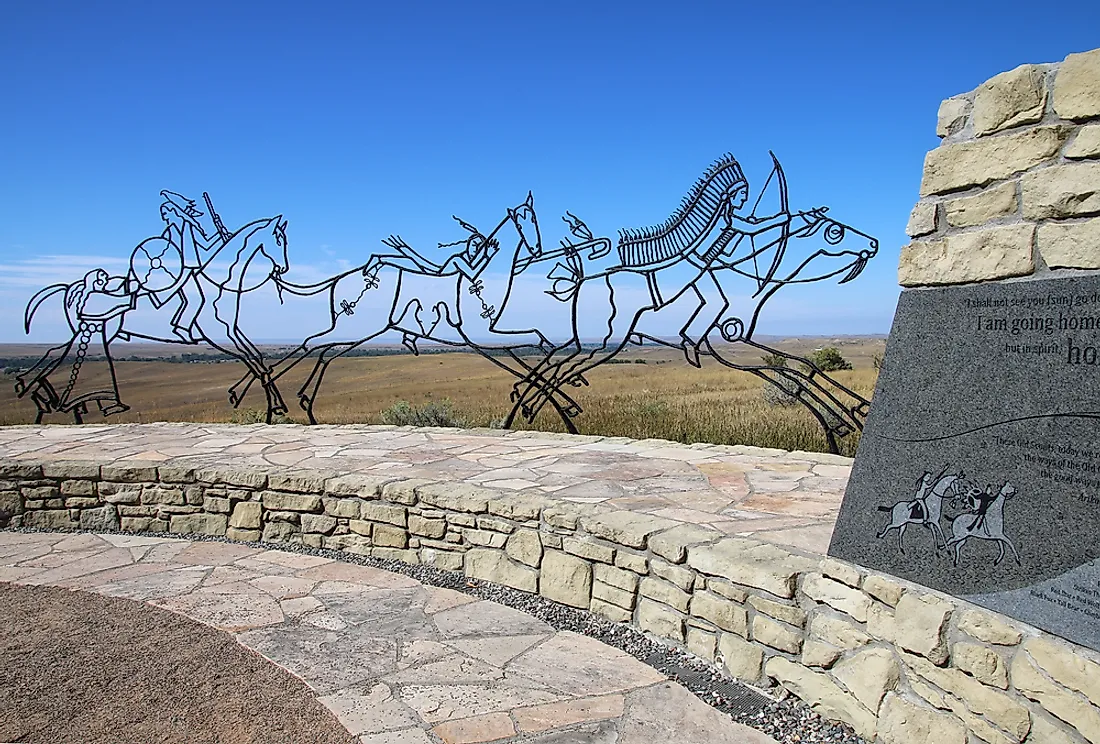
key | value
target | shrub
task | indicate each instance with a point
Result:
(829, 359)
(876, 362)
(257, 416)
(432, 413)
(774, 360)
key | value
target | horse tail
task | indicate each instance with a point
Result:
(38, 299)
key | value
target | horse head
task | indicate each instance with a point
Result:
(527, 226)
(277, 251)
(847, 262)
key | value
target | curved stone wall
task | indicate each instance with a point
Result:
(896, 661)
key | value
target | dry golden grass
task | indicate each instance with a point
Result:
(664, 398)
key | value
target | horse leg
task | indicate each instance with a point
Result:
(1000, 553)
(901, 534)
(1012, 548)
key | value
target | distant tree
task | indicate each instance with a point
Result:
(876, 361)
(774, 360)
(829, 359)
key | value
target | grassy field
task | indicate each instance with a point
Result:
(662, 397)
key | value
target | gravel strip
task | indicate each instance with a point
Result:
(785, 718)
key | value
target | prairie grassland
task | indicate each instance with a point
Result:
(660, 398)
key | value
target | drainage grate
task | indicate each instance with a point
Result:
(740, 701)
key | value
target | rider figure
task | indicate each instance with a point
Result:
(924, 485)
(469, 262)
(186, 235)
(980, 503)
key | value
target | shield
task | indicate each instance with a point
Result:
(156, 264)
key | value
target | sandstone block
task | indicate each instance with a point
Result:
(775, 634)
(1071, 245)
(922, 220)
(405, 491)
(81, 502)
(838, 596)
(612, 612)
(631, 562)
(869, 675)
(197, 524)
(493, 565)
(988, 628)
(616, 577)
(443, 559)
(11, 503)
(843, 572)
(1047, 732)
(65, 469)
(460, 497)
(660, 620)
(524, 546)
(341, 507)
(742, 659)
(881, 623)
(817, 653)
(283, 501)
(98, 520)
(143, 524)
(296, 483)
(672, 544)
(994, 202)
(825, 697)
(379, 512)
(631, 529)
(280, 532)
(396, 554)
(389, 536)
(701, 643)
(246, 515)
(1003, 710)
(726, 589)
(962, 165)
(751, 563)
(1055, 699)
(1077, 86)
(883, 589)
(78, 488)
(318, 523)
(837, 631)
(255, 478)
(588, 549)
(993, 253)
(1061, 191)
(162, 495)
(980, 663)
(1066, 667)
(682, 577)
(518, 506)
(1085, 145)
(1010, 99)
(354, 485)
(663, 591)
(921, 626)
(952, 116)
(904, 722)
(613, 595)
(175, 474)
(722, 612)
(431, 528)
(215, 505)
(495, 524)
(40, 493)
(243, 535)
(128, 473)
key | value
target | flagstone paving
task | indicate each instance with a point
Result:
(786, 498)
(397, 662)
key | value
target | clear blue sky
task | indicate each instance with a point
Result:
(357, 120)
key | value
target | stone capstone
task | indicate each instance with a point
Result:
(672, 544)
(493, 565)
(838, 596)
(986, 627)
(566, 579)
(905, 722)
(953, 167)
(751, 563)
(1077, 86)
(625, 528)
(1010, 99)
(952, 116)
(459, 497)
(843, 572)
(994, 202)
(826, 697)
(993, 253)
(1072, 245)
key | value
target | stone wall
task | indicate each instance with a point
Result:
(1014, 188)
(900, 663)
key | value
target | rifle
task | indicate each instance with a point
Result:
(222, 231)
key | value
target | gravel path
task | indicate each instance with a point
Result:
(77, 667)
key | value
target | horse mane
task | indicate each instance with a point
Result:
(697, 214)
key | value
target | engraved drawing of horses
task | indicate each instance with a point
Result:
(984, 522)
(926, 509)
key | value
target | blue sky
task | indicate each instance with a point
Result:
(357, 120)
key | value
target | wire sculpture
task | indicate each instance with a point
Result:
(197, 278)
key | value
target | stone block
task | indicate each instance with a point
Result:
(11, 503)
(616, 577)
(341, 507)
(285, 501)
(1066, 666)
(525, 547)
(990, 204)
(62, 470)
(461, 520)
(494, 566)
(78, 488)
(981, 663)
(431, 528)
(318, 523)
(484, 538)
(613, 595)
(1044, 731)
(215, 505)
(954, 167)
(405, 491)
(50, 519)
(239, 535)
(702, 643)
(612, 612)
(661, 620)
(442, 559)
(143, 524)
(1071, 245)
(751, 563)
(296, 483)
(588, 549)
(1077, 87)
(672, 544)
(496, 525)
(776, 635)
(722, 612)
(379, 512)
(665, 592)
(396, 554)
(128, 473)
(631, 562)
(952, 116)
(1055, 699)
(922, 220)
(101, 519)
(460, 497)
(881, 623)
(517, 506)
(726, 589)
(566, 579)
(921, 626)
(838, 596)
(631, 529)
(175, 474)
(283, 516)
(173, 495)
(1085, 145)
(817, 653)
(389, 536)
(198, 524)
(826, 698)
(683, 578)
(246, 515)
(843, 572)
(255, 478)
(905, 722)
(280, 532)
(80, 502)
(789, 614)
(40, 493)
(992, 253)
(1005, 711)
(354, 485)
(869, 675)
(837, 631)
(742, 659)
(883, 589)
(1062, 191)
(988, 628)
(1010, 99)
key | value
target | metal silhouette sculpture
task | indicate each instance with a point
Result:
(610, 293)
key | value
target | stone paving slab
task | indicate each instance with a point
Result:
(789, 498)
(397, 662)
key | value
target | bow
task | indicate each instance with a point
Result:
(785, 230)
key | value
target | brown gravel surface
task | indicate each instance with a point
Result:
(80, 668)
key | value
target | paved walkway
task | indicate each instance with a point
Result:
(396, 661)
(786, 498)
